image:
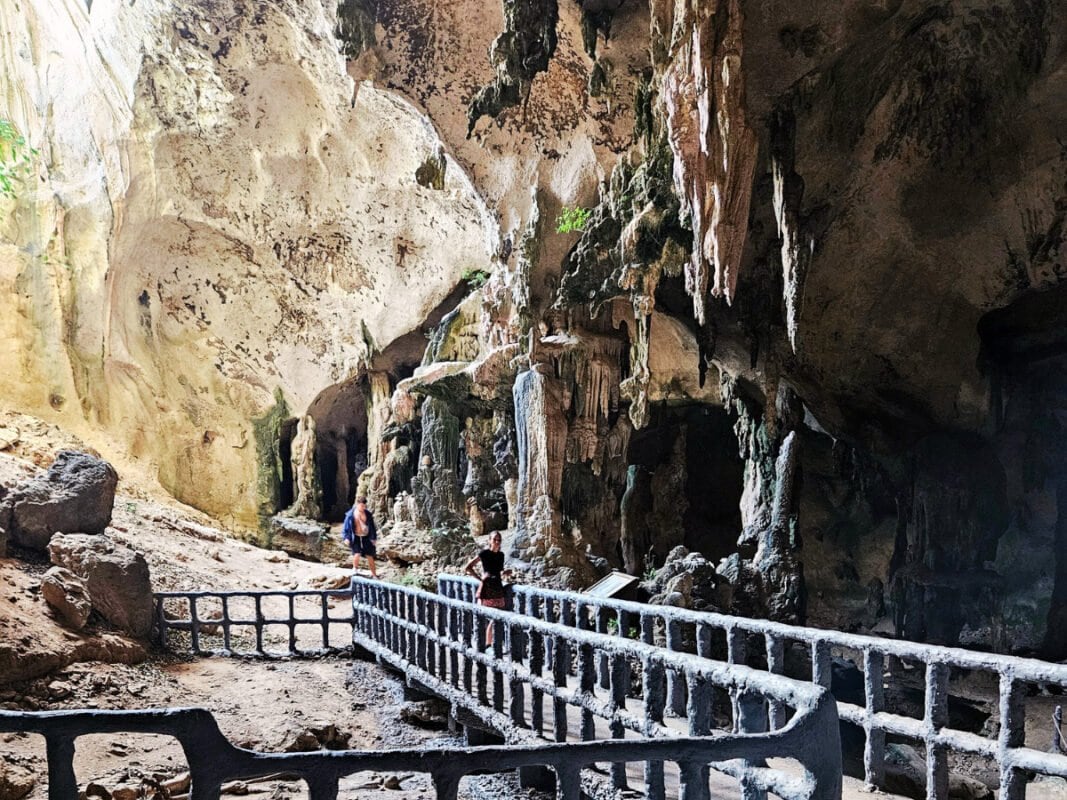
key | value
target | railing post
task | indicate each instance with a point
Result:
(568, 783)
(194, 626)
(454, 638)
(325, 598)
(652, 682)
(821, 663)
(602, 659)
(498, 657)
(560, 668)
(675, 680)
(874, 748)
(936, 718)
(161, 620)
(537, 666)
(1012, 734)
(586, 685)
(695, 776)
(751, 718)
(515, 685)
(446, 786)
(481, 670)
(62, 783)
(468, 645)
(648, 629)
(292, 623)
(703, 633)
(776, 665)
(619, 683)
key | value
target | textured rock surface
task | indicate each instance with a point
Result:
(15, 782)
(115, 576)
(67, 594)
(812, 328)
(221, 220)
(32, 644)
(77, 493)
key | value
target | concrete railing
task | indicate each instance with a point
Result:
(213, 761)
(221, 617)
(441, 644)
(766, 643)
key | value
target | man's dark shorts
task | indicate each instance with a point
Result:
(363, 546)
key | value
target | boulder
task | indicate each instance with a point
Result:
(905, 773)
(116, 577)
(686, 579)
(15, 782)
(305, 538)
(67, 594)
(77, 493)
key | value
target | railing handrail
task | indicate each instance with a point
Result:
(429, 636)
(1008, 747)
(214, 760)
(737, 676)
(1027, 669)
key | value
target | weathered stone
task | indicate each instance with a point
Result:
(67, 594)
(116, 577)
(76, 494)
(906, 774)
(15, 782)
(306, 538)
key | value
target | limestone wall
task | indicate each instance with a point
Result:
(220, 225)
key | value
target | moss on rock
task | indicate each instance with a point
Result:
(267, 432)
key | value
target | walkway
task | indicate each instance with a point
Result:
(604, 698)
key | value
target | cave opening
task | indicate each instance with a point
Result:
(287, 488)
(1024, 355)
(340, 415)
(686, 479)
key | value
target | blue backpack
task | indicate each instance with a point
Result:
(348, 532)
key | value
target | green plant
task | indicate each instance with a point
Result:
(650, 574)
(16, 159)
(416, 579)
(572, 219)
(475, 278)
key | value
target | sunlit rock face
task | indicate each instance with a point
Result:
(219, 227)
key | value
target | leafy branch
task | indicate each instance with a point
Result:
(572, 219)
(16, 160)
(475, 278)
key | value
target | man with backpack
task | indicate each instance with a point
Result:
(360, 534)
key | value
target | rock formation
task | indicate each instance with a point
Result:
(115, 578)
(67, 594)
(77, 493)
(811, 328)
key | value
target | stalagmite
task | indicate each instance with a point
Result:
(541, 432)
(307, 485)
(374, 482)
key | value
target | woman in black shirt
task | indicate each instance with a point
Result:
(491, 590)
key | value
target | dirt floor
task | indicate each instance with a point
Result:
(279, 706)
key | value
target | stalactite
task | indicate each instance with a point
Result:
(522, 50)
(714, 147)
(797, 247)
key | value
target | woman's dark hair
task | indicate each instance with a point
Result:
(362, 500)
